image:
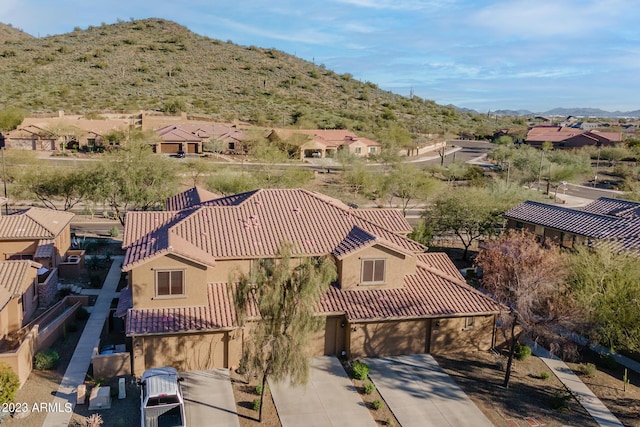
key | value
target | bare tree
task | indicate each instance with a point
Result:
(530, 280)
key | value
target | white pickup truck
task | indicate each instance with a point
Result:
(161, 402)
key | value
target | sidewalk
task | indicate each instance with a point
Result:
(582, 393)
(81, 359)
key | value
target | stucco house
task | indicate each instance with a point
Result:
(18, 294)
(610, 222)
(570, 137)
(391, 296)
(321, 143)
(190, 137)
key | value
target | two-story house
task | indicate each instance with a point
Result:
(391, 296)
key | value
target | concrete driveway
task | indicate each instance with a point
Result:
(421, 394)
(208, 399)
(328, 400)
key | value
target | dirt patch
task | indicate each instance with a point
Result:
(529, 395)
(607, 384)
(245, 393)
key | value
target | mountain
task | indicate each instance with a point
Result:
(156, 64)
(590, 112)
(9, 34)
(513, 113)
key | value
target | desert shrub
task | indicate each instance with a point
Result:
(256, 404)
(608, 362)
(588, 369)
(114, 232)
(376, 404)
(9, 383)
(560, 400)
(82, 314)
(46, 360)
(523, 352)
(544, 375)
(259, 389)
(360, 370)
(368, 388)
(95, 420)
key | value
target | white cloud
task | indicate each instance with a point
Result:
(395, 4)
(308, 36)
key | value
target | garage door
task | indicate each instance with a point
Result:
(192, 148)
(169, 148)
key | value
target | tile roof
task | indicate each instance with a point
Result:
(45, 249)
(252, 225)
(614, 223)
(189, 198)
(12, 277)
(326, 137)
(34, 223)
(426, 294)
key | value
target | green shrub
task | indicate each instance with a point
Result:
(608, 362)
(360, 370)
(259, 389)
(560, 400)
(368, 388)
(82, 314)
(256, 404)
(9, 383)
(588, 369)
(376, 404)
(46, 359)
(544, 375)
(114, 232)
(523, 352)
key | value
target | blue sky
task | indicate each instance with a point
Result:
(480, 54)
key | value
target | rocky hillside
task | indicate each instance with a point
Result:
(157, 64)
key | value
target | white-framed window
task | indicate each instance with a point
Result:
(358, 150)
(372, 150)
(169, 283)
(373, 271)
(469, 322)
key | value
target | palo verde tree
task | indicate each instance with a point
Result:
(134, 178)
(283, 292)
(606, 286)
(529, 279)
(469, 213)
(58, 188)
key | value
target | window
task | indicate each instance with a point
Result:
(372, 150)
(169, 283)
(469, 322)
(358, 150)
(373, 271)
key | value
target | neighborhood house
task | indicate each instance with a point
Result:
(391, 296)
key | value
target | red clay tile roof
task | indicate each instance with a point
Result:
(388, 218)
(426, 294)
(34, 223)
(45, 249)
(251, 225)
(189, 198)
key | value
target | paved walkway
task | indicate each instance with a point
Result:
(328, 400)
(582, 393)
(421, 394)
(81, 359)
(208, 399)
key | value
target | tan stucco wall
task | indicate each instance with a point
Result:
(144, 288)
(187, 351)
(397, 266)
(226, 270)
(331, 338)
(449, 335)
(24, 247)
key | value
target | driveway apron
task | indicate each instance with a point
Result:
(329, 399)
(208, 398)
(421, 394)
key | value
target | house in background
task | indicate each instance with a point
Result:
(570, 137)
(319, 143)
(190, 137)
(610, 222)
(390, 298)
